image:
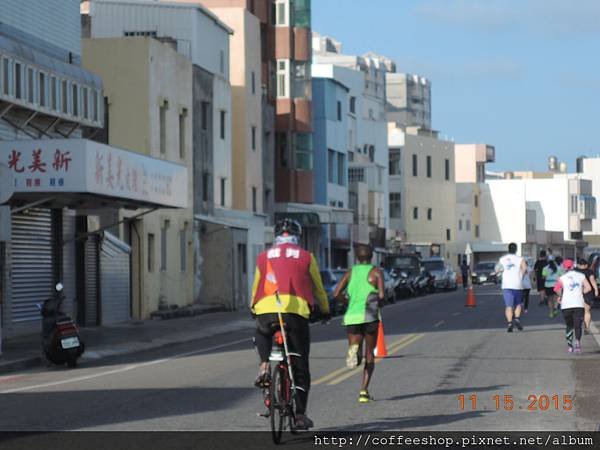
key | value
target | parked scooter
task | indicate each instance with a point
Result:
(60, 336)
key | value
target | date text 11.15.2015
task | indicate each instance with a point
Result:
(507, 402)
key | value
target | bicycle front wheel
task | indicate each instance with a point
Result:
(278, 406)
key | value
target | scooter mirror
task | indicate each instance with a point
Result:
(59, 287)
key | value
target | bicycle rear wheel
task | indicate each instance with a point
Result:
(278, 406)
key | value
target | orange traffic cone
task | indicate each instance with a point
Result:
(380, 349)
(470, 298)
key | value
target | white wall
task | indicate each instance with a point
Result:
(222, 147)
(503, 211)
(591, 171)
(199, 36)
(553, 196)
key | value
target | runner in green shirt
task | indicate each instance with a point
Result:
(365, 291)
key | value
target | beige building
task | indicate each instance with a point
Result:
(147, 85)
(246, 89)
(422, 191)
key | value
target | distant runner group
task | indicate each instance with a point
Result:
(562, 285)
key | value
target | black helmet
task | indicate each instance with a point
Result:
(289, 226)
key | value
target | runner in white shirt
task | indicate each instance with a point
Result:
(513, 270)
(571, 288)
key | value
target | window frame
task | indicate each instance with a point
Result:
(283, 85)
(415, 165)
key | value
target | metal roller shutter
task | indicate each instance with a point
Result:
(114, 276)
(31, 260)
(91, 280)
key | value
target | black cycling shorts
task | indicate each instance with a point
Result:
(363, 328)
(589, 298)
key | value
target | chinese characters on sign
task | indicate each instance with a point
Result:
(83, 166)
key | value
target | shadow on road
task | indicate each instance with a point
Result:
(61, 410)
(445, 392)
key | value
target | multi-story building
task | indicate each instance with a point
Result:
(330, 120)
(539, 213)
(141, 75)
(469, 166)
(367, 145)
(59, 180)
(408, 100)
(588, 168)
(422, 191)
(198, 34)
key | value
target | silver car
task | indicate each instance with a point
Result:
(445, 277)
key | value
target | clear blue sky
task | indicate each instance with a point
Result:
(522, 75)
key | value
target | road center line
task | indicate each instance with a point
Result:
(441, 322)
(122, 369)
(341, 370)
(353, 372)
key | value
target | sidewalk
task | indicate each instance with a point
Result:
(24, 351)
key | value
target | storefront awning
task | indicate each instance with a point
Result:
(83, 174)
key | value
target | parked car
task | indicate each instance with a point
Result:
(330, 281)
(444, 276)
(485, 272)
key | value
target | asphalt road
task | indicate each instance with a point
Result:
(439, 350)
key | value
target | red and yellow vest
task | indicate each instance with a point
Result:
(298, 281)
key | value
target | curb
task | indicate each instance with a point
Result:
(20, 364)
(135, 347)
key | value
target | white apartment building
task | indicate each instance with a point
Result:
(408, 100)
(538, 213)
(589, 168)
(422, 191)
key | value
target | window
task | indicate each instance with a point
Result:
(303, 153)
(205, 182)
(415, 213)
(428, 166)
(476, 201)
(253, 138)
(395, 161)
(330, 165)
(223, 191)
(64, 96)
(301, 14)
(415, 167)
(283, 77)
(162, 126)
(85, 100)
(468, 225)
(222, 62)
(30, 85)
(372, 153)
(96, 105)
(356, 174)
(19, 80)
(253, 83)
(476, 231)
(204, 116)
(254, 206)
(140, 33)
(281, 14)
(339, 111)
(395, 205)
(150, 252)
(53, 93)
(182, 119)
(429, 213)
(448, 234)
(350, 156)
(75, 99)
(223, 124)
(447, 169)
(341, 170)
(573, 204)
(6, 79)
(163, 246)
(43, 91)
(353, 105)
(183, 248)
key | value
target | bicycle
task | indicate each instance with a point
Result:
(280, 395)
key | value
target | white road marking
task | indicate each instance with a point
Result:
(456, 314)
(441, 322)
(122, 369)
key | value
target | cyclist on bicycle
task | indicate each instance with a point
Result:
(299, 282)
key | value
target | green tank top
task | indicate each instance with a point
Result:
(362, 306)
